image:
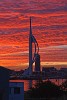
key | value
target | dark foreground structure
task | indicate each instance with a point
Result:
(4, 83)
(47, 91)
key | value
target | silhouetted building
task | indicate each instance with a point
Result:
(4, 83)
(48, 69)
(63, 69)
(62, 73)
(49, 72)
(16, 91)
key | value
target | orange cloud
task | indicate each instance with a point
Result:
(49, 26)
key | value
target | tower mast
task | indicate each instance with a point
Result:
(30, 49)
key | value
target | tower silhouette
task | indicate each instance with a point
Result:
(30, 49)
(36, 57)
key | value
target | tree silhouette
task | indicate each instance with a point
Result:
(45, 90)
(64, 86)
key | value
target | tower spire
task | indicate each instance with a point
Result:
(32, 40)
(30, 49)
(30, 26)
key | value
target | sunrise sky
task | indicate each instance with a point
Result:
(49, 26)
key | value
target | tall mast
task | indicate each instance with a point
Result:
(30, 49)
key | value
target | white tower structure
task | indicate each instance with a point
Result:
(32, 40)
(30, 49)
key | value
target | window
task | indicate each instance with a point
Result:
(16, 90)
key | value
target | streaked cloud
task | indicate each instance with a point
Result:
(49, 24)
